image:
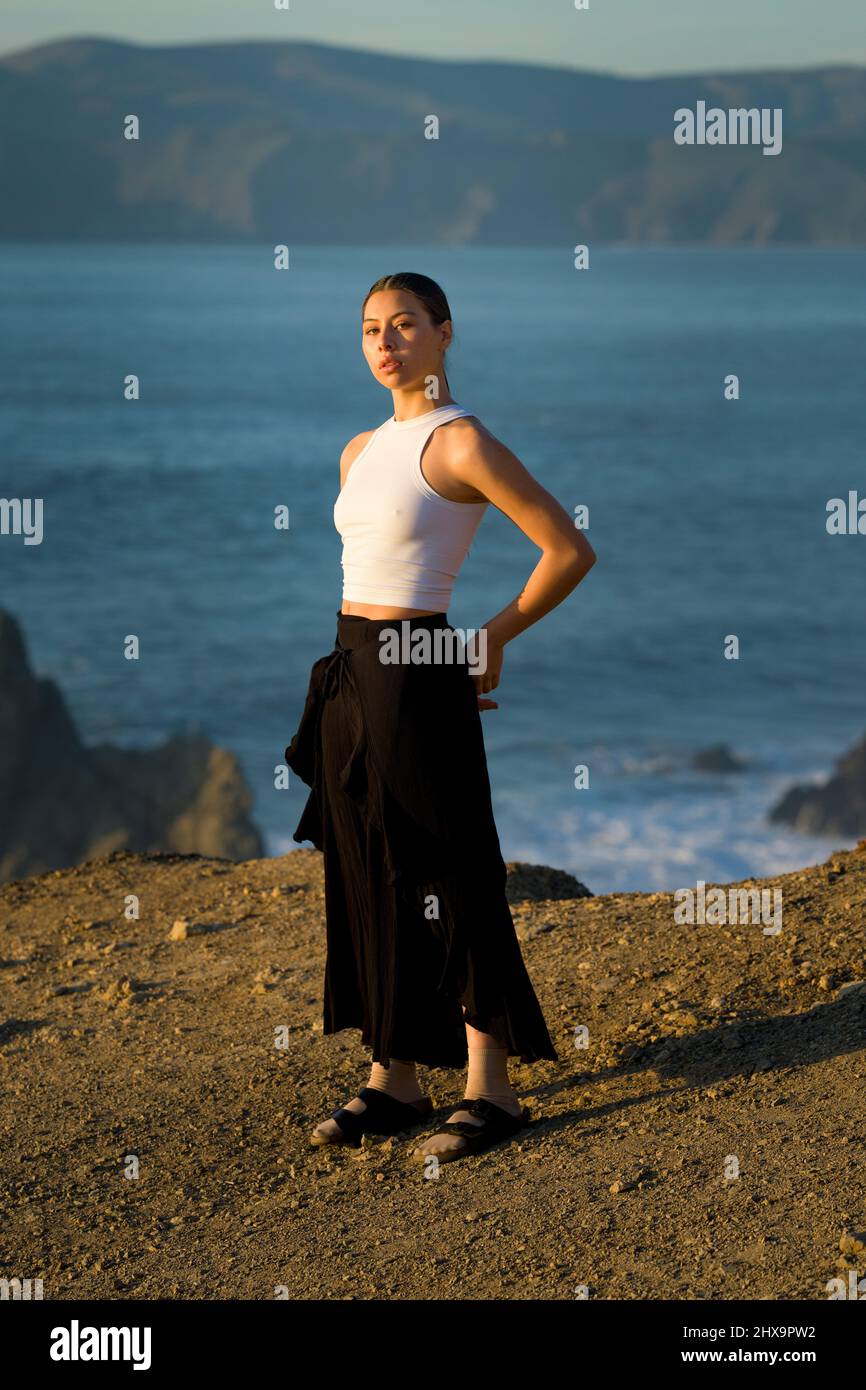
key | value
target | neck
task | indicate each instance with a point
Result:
(409, 405)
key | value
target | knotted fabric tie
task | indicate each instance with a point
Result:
(336, 670)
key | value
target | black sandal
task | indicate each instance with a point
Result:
(496, 1124)
(383, 1115)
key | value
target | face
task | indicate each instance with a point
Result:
(401, 344)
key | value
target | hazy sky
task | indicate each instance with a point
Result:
(626, 36)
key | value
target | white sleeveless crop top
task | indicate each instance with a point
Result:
(403, 544)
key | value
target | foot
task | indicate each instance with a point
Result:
(446, 1146)
(329, 1132)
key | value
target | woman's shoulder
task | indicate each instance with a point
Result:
(355, 447)
(356, 444)
(467, 432)
(464, 454)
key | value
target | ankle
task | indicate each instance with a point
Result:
(487, 1078)
(398, 1079)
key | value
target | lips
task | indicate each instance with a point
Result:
(387, 363)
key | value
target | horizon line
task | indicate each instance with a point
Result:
(108, 40)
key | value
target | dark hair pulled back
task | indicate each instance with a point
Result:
(431, 295)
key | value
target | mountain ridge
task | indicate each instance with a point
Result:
(285, 141)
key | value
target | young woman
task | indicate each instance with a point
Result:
(422, 954)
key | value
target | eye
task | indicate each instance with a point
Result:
(407, 323)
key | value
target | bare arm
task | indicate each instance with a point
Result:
(482, 462)
(485, 464)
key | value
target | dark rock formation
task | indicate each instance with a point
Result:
(838, 807)
(62, 803)
(718, 758)
(539, 882)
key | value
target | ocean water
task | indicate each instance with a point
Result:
(708, 517)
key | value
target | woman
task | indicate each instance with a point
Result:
(422, 952)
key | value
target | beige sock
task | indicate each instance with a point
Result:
(397, 1080)
(486, 1079)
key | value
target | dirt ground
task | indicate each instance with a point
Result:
(158, 1095)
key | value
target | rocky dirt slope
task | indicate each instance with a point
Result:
(154, 1136)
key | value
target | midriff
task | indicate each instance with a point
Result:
(376, 610)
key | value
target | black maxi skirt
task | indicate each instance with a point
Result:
(417, 920)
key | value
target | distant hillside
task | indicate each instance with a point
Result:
(301, 142)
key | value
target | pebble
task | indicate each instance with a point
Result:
(853, 1242)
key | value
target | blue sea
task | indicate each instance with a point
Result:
(708, 517)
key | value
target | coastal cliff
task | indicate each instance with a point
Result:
(63, 802)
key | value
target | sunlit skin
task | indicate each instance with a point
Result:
(466, 463)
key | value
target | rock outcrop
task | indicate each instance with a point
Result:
(62, 803)
(837, 807)
(717, 758)
(537, 882)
